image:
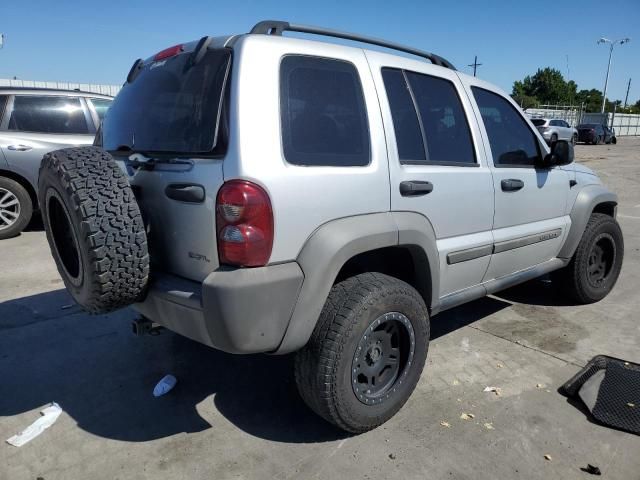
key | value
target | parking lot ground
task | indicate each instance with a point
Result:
(240, 417)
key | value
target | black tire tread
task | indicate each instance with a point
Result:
(314, 372)
(111, 225)
(573, 273)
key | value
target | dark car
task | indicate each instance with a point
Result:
(595, 133)
(610, 135)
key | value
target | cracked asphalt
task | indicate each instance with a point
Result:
(240, 417)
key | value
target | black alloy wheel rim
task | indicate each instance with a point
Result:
(601, 259)
(382, 358)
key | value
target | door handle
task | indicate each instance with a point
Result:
(185, 192)
(511, 185)
(415, 188)
(20, 148)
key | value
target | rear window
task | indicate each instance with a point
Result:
(48, 114)
(538, 122)
(323, 116)
(170, 107)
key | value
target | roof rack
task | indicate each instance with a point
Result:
(276, 27)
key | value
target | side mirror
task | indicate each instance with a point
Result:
(561, 154)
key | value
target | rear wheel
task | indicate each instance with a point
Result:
(16, 208)
(366, 353)
(596, 264)
(94, 228)
(554, 139)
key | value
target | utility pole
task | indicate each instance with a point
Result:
(612, 44)
(1, 40)
(475, 65)
(627, 95)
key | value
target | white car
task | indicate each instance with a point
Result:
(555, 129)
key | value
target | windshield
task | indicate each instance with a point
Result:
(588, 125)
(538, 122)
(170, 106)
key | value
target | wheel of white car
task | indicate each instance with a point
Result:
(16, 208)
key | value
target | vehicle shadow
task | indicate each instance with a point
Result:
(35, 224)
(103, 376)
(543, 291)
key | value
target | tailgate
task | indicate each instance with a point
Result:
(168, 124)
(181, 227)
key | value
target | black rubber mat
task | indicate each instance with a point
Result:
(610, 388)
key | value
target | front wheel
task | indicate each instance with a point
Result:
(596, 264)
(16, 208)
(366, 354)
(574, 139)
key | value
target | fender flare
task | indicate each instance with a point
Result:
(589, 197)
(331, 245)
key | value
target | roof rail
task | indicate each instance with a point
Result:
(276, 27)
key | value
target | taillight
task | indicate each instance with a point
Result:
(244, 221)
(168, 52)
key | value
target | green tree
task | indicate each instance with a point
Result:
(547, 86)
(520, 96)
(591, 99)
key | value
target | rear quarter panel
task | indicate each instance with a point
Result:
(303, 198)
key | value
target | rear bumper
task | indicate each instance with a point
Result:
(245, 310)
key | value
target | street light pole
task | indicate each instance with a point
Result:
(612, 43)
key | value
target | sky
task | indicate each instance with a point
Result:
(96, 42)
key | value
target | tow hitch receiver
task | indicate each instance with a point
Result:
(143, 326)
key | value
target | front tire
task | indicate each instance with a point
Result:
(574, 139)
(596, 264)
(16, 208)
(366, 354)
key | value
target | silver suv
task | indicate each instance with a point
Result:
(34, 121)
(260, 193)
(554, 129)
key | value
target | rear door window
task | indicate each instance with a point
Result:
(513, 143)
(323, 114)
(48, 114)
(428, 119)
(538, 122)
(405, 118)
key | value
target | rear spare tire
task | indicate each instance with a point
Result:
(94, 228)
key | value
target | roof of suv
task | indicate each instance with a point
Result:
(50, 91)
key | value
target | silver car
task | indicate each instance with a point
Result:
(34, 121)
(555, 129)
(283, 194)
